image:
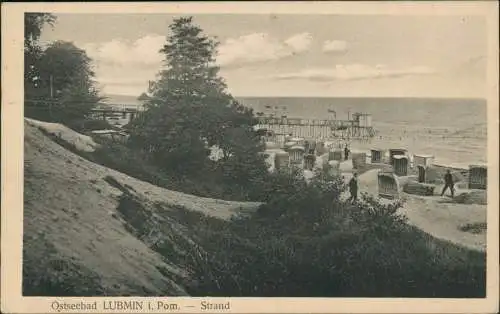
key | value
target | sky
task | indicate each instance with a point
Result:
(295, 55)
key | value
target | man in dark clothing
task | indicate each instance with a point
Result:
(353, 188)
(448, 183)
(346, 152)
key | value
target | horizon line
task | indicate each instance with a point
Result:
(320, 96)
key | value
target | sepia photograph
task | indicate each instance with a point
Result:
(218, 154)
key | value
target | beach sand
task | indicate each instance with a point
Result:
(435, 214)
(438, 216)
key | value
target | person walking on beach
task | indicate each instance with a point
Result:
(448, 183)
(346, 152)
(353, 188)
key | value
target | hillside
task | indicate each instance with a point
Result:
(71, 209)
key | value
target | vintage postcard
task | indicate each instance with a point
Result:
(250, 157)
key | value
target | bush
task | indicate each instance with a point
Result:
(316, 245)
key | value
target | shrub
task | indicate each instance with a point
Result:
(325, 248)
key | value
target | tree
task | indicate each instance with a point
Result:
(58, 81)
(65, 79)
(190, 108)
(33, 25)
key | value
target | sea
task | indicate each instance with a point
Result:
(454, 131)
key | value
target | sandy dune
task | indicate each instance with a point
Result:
(81, 142)
(69, 205)
(86, 170)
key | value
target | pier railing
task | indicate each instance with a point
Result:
(316, 128)
(307, 122)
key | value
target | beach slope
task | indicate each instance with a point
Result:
(78, 237)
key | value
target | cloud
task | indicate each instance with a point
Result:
(144, 51)
(299, 42)
(124, 64)
(251, 48)
(260, 47)
(351, 72)
(334, 46)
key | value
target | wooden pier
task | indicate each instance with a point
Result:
(125, 113)
(327, 129)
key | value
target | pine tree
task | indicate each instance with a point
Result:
(190, 108)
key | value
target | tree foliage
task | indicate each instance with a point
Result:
(59, 84)
(190, 108)
(66, 76)
(33, 25)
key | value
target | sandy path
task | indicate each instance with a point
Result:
(443, 220)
